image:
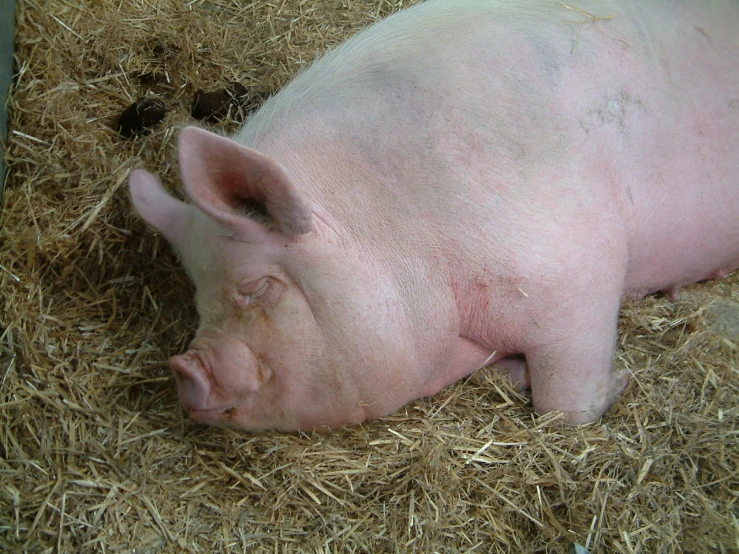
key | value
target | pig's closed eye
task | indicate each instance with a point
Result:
(260, 291)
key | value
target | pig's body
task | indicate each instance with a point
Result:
(466, 178)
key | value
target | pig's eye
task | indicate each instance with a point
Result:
(248, 294)
(261, 289)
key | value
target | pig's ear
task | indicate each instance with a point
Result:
(166, 214)
(244, 190)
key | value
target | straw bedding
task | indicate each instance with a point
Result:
(95, 452)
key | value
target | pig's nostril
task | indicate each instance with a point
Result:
(178, 367)
(193, 387)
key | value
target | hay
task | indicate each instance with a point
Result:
(97, 456)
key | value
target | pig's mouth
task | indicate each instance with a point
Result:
(228, 411)
(239, 417)
(213, 416)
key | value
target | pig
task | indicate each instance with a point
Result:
(466, 182)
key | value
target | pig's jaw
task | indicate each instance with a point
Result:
(221, 382)
(243, 416)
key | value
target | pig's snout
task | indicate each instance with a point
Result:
(193, 386)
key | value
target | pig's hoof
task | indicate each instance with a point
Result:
(619, 381)
(672, 293)
(515, 368)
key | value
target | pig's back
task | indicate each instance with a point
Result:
(456, 110)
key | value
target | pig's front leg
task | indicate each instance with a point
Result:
(574, 374)
(572, 345)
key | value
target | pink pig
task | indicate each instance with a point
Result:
(464, 182)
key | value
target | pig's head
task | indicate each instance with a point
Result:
(300, 326)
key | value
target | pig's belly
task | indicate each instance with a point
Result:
(682, 211)
(675, 256)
